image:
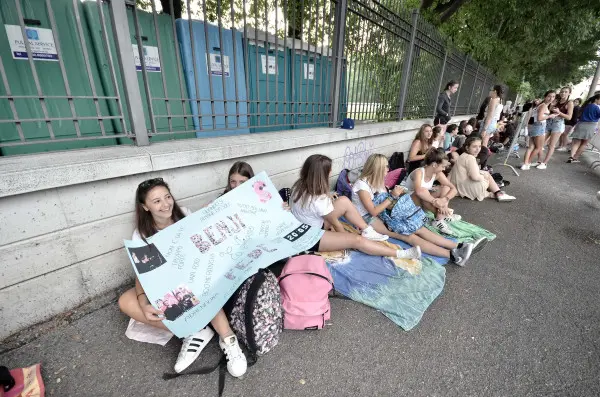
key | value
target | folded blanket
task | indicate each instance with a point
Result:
(463, 231)
(399, 295)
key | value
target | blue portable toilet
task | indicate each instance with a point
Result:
(269, 83)
(225, 119)
(312, 73)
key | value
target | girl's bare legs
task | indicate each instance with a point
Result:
(342, 206)
(414, 240)
(485, 138)
(436, 239)
(538, 144)
(128, 303)
(551, 145)
(582, 145)
(492, 186)
(334, 241)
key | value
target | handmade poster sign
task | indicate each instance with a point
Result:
(190, 269)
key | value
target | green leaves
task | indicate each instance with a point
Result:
(548, 43)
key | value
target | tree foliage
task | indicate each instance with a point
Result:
(547, 43)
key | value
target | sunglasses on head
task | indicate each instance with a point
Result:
(151, 182)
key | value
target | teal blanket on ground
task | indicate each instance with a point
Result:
(376, 282)
(463, 231)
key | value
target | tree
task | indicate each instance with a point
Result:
(517, 39)
(441, 11)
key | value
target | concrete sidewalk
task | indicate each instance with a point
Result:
(522, 319)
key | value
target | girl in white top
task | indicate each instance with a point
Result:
(370, 182)
(492, 114)
(420, 183)
(155, 210)
(437, 138)
(312, 204)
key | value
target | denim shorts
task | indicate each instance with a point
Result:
(536, 129)
(555, 125)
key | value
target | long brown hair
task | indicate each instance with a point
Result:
(421, 137)
(314, 178)
(143, 219)
(239, 167)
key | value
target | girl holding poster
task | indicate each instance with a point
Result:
(155, 210)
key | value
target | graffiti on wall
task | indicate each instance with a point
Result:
(356, 154)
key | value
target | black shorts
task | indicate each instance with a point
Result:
(315, 248)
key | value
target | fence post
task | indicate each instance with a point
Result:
(133, 98)
(460, 84)
(339, 35)
(407, 64)
(473, 90)
(440, 82)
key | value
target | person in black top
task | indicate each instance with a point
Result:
(569, 125)
(442, 108)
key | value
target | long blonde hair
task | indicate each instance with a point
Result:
(374, 171)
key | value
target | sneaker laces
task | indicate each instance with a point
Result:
(232, 350)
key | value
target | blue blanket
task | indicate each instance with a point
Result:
(376, 282)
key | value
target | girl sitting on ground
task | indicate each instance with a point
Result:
(239, 173)
(156, 209)
(419, 184)
(419, 147)
(371, 183)
(451, 133)
(312, 204)
(437, 138)
(470, 181)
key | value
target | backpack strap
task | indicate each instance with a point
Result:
(259, 278)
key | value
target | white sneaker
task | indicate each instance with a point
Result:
(191, 348)
(442, 227)
(411, 253)
(370, 234)
(541, 166)
(504, 197)
(452, 218)
(525, 167)
(236, 361)
(561, 149)
(479, 244)
(462, 255)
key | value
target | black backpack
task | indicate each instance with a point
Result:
(396, 161)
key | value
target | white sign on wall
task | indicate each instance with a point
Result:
(309, 71)
(151, 58)
(215, 65)
(40, 40)
(272, 65)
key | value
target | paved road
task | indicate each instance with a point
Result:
(521, 320)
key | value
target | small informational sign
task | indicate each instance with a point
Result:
(151, 58)
(268, 63)
(219, 66)
(40, 40)
(309, 71)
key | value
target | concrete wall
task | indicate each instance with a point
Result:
(64, 215)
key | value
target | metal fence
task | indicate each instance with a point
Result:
(95, 73)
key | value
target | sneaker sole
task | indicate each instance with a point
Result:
(480, 246)
(377, 239)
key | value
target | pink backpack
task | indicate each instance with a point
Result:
(305, 283)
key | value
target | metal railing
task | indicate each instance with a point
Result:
(94, 73)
